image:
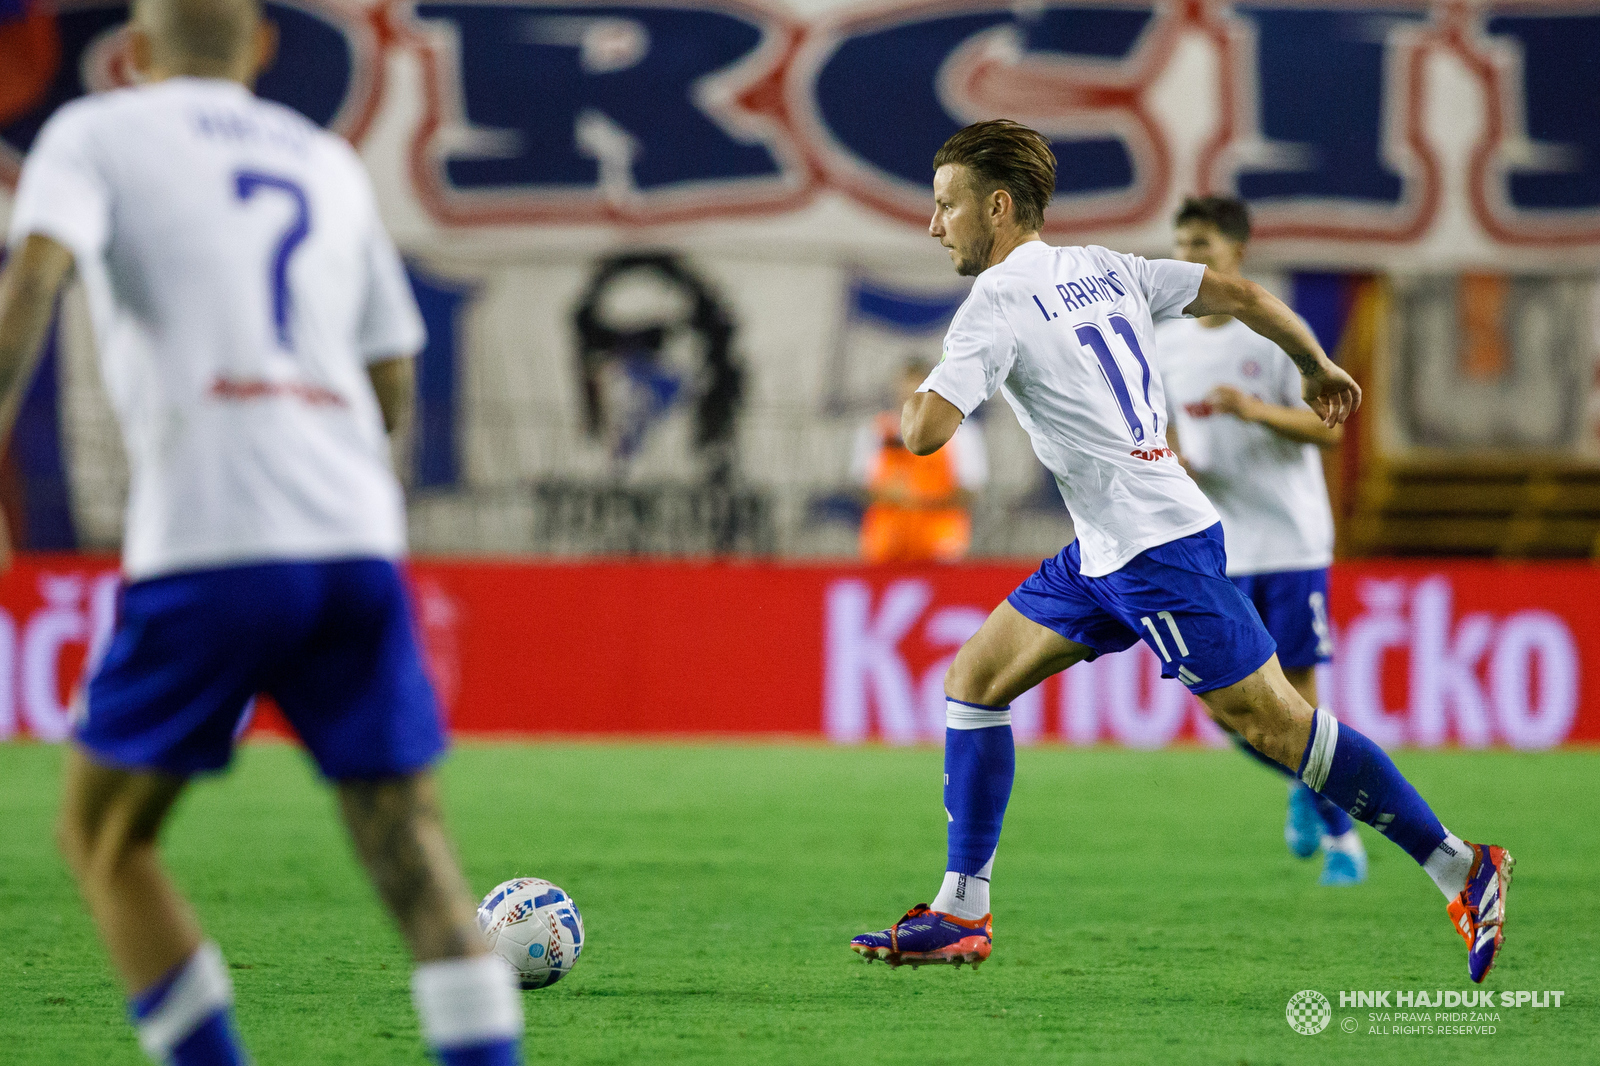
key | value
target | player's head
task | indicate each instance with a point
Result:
(1212, 230)
(989, 178)
(201, 38)
(913, 372)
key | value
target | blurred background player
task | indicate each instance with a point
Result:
(919, 507)
(257, 331)
(1148, 560)
(1253, 446)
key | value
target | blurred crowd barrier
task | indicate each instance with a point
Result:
(671, 254)
(1468, 654)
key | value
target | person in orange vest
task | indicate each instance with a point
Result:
(919, 506)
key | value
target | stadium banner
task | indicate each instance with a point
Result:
(1462, 133)
(1429, 654)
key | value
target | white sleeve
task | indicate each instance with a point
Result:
(63, 193)
(1169, 285)
(862, 453)
(391, 324)
(971, 457)
(979, 350)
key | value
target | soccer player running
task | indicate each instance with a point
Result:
(256, 333)
(1067, 333)
(1245, 435)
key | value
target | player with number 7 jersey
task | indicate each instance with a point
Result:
(239, 280)
(256, 332)
(1066, 333)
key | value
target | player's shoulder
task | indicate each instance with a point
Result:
(80, 119)
(1099, 253)
(1022, 264)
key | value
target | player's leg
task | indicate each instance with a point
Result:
(179, 993)
(1008, 656)
(399, 835)
(1022, 642)
(1345, 766)
(1293, 607)
(357, 695)
(470, 1010)
(1344, 860)
(163, 706)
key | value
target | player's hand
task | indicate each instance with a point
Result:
(5, 545)
(1227, 400)
(1332, 394)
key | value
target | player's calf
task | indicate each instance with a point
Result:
(1344, 766)
(466, 998)
(181, 997)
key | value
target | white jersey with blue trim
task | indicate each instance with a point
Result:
(240, 281)
(1269, 490)
(1068, 334)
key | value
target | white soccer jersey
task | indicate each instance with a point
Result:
(1268, 489)
(1068, 333)
(239, 280)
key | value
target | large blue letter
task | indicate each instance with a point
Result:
(313, 72)
(1321, 97)
(1561, 107)
(879, 92)
(556, 92)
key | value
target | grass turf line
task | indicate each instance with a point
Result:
(1146, 910)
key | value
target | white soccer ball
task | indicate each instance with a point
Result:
(535, 926)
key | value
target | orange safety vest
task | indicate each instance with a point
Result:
(891, 533)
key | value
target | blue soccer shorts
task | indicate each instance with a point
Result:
(331, 642)
(1175, 597)
(1293, 605)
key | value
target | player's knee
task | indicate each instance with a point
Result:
(96, 839)
(970, 681)
(1265, 726)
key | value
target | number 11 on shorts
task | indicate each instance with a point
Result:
(1172, 624)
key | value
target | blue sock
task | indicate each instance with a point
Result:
(980, 761)
(1347, 768)
(471, 1011)
(493, 1053)
(1334, 821)
(186, 1018)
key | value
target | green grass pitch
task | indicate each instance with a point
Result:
(1146, 910)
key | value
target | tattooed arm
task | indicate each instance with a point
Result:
(1328, 390)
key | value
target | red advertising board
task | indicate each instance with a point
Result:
(1429, 653)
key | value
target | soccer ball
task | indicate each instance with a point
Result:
(534, 926)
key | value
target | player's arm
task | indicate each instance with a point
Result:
(395, 383)
(28, 286)
(1328, 390)
(1299, 424)
(927, 422)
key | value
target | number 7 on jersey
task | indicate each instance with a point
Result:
(246, 183)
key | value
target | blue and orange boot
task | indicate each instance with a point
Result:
(1479, 912)
(926, 936)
